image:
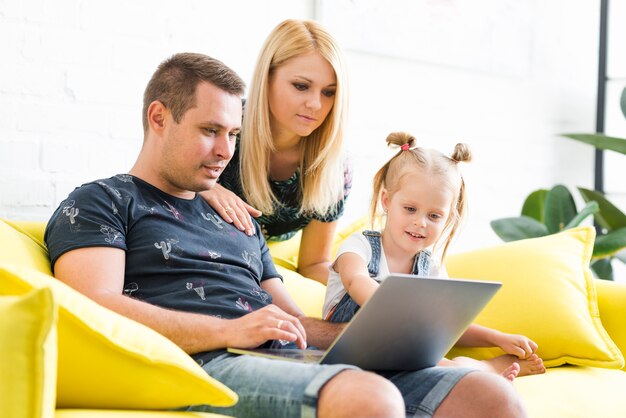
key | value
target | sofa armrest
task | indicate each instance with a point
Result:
(612, 305)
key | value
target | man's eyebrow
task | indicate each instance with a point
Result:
(218, 125)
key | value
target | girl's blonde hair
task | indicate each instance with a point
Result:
(321, 161)
(434, 163)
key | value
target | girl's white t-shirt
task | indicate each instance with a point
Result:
(357, 243)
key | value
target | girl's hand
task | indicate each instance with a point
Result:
(231, 208)
(518, 345)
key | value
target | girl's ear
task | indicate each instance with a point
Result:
(384, 199)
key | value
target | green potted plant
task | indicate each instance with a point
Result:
(550, 211)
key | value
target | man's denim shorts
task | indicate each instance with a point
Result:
(275, 388)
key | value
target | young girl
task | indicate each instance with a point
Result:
(422, 194)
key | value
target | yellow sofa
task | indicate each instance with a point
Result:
(86, 361)
(548, 294)
(64, 356)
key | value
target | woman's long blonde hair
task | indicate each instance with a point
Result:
(410, 159)
(321, 159)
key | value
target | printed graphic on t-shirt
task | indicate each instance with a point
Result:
(150, 209)
(242, 303)
(70, 211)
(199, 289)
(252, 260)
(131, 288)
(126, 178)
(260, 293)
(112, 236)
(165, 247)
(173, 211)
(110, 190)
(217, 221)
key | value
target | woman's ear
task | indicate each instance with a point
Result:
(157, 113)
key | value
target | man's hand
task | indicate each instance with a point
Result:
(268, 323)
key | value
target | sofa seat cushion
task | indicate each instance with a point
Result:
(112, 413)
(28, 354)
(574, 392)
(548, 294)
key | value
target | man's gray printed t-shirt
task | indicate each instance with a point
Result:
(180, 254)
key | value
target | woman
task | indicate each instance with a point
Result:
(288, 166)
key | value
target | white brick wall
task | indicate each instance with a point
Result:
(72, 74)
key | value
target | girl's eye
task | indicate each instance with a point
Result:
(435, 216)
(328, 93)
(300, 86)
(409, 209)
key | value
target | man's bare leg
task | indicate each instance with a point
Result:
(354, 393)
(479, 395)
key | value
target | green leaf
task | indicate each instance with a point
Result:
(534, 205)
(603, 269)
(600, 141)
(560, 209)
(622, 102)
(513, 229)
(609, 216)
(621, 256)
(609, 244)
(589, 209)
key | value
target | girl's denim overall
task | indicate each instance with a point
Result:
(347, 307)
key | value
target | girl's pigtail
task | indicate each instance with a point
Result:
(461, 153)
(402, 140)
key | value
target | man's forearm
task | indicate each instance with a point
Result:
(192, 332)
(320, 333)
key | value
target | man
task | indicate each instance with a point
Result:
(146, 245)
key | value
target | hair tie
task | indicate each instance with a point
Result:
(404, 147)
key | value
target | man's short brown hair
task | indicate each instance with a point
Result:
(175, 80)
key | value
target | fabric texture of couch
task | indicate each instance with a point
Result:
(548, 294)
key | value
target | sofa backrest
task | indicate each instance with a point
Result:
(22, 243)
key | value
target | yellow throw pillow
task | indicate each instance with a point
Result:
(548, 294)
(106, 360)
(28, 355)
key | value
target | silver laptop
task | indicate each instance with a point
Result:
(410, 323)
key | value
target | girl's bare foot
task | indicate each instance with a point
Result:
(511, 372)
(531, 365)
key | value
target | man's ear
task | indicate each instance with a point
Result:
(157, 114)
